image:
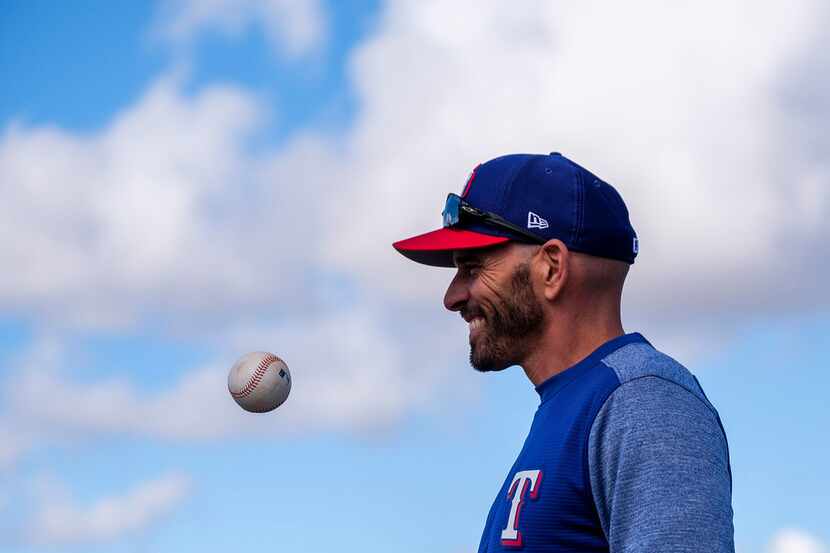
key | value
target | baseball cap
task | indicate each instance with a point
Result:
(529, 198)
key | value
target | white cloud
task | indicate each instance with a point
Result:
(792, 540)
(350, 373)
(13, 444)
(162, 210)
(60, 521)
(293, 27)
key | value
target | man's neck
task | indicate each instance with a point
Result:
(565, 344)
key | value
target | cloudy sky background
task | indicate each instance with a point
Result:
(187, 181)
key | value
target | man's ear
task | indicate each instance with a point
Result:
(553, 264)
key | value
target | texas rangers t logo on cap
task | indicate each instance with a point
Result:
(469, 182)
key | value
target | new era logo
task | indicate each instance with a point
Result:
(534, 221)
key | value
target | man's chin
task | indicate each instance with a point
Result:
(485, 364)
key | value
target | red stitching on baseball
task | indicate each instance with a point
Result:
(256, 377)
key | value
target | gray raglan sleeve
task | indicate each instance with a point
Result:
(659, 471)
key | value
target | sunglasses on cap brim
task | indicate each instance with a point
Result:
(458, 212)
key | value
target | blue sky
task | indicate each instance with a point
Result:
(185, 184)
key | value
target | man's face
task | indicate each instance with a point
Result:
(492, 290)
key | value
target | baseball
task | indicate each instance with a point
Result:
(259, 382)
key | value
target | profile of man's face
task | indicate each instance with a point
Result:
(511, 317)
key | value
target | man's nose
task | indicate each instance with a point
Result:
(457, 294)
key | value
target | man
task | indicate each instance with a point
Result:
(625, 453)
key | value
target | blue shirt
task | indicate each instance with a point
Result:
(625, 454)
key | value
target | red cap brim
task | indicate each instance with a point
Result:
(435, 248)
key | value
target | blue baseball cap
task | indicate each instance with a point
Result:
(530, 198)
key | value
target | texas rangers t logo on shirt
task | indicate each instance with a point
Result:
(524, 481)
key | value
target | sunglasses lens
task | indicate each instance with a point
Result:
(451, 210)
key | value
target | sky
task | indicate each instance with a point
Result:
(187, 181)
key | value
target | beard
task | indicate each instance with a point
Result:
(510, 327)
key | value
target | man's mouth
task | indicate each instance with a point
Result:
(476, 325)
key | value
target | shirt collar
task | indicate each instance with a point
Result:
(549, 387)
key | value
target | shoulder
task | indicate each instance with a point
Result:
(658, 415)
(655, 392)
(638, 361)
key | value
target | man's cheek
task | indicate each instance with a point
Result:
(490, 312)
